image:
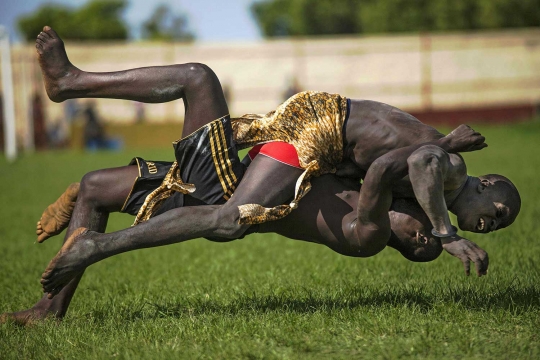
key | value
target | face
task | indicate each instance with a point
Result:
(411, 231)
(493, 206)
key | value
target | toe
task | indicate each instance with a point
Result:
(42, 237)
(51, 32)
(45, 35)
(46, 275)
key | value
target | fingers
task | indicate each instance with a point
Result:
(467, 266)
(482, 263)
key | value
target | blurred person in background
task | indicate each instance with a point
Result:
(139, 112)
(94, 134)
(38, 118)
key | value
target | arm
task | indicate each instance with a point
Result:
(373, 223)
(431, 171)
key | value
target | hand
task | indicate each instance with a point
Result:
(463, 139)
(467, 251)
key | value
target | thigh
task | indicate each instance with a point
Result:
(267, 182)
(108, 189)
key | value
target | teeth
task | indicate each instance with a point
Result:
(482, 224)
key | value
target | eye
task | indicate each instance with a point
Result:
(499, 212)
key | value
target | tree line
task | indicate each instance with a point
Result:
(325, 17)
(102, 19)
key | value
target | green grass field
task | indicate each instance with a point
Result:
(270, 297)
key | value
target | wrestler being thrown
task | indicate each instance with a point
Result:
(329, 133)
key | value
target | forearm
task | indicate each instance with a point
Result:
(373, 226)
(427, 173)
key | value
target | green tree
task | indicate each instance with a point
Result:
(96, 20)
(314, 17)
(163, 24)
(306, 17)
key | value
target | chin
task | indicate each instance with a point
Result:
(462, 224)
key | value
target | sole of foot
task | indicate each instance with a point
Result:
(56, 216)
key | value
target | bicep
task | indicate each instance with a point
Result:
(373, 224)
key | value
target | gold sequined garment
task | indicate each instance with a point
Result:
(170, 184)
(310, 121)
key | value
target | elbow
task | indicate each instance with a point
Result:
(383, 169)
(365, 250)
(424, 157)
(367, 245)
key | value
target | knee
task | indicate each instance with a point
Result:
(226, 224)
(200, 74)
(91, 187)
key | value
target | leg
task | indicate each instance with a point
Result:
(101, 192)
(195, 83)
(266, 182)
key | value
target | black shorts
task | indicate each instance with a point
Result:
(151, 175)
(207, 158)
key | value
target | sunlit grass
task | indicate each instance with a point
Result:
(270, 297)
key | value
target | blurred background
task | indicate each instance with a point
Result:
(446, 62)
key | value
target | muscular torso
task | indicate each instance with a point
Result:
(374, 128)
(326, 215)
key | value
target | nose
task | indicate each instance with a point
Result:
(493, 225)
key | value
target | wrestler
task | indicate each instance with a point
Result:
(326, 216)
(482, 204)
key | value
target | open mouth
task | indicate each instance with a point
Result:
(481, 225)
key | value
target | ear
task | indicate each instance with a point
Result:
(421, 238)
(484, 183)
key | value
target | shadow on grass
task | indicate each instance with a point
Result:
(516, 299)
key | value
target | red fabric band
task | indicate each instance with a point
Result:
(277, 150)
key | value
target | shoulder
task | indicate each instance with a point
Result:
(457, 172)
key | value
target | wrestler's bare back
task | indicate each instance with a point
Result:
(373, 129)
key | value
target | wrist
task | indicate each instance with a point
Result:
(444, 143)
(452, 231)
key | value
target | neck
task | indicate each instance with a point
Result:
(464, 189)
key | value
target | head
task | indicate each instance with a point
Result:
(411, 232)
(487, 203)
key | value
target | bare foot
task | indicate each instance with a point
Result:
(77, 253)
(26, 317)
(55, 66)
(56, 216)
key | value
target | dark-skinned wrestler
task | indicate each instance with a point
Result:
(327, 215)
(372, 130)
